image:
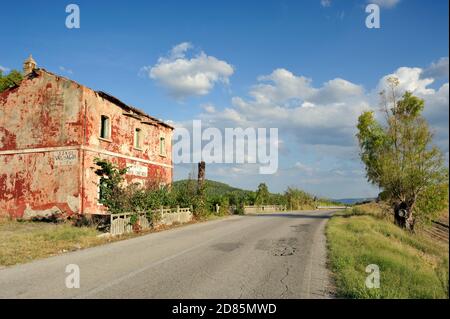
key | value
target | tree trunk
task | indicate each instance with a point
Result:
(403, 216)
(410, 221)
(201, 177)
(399, 217)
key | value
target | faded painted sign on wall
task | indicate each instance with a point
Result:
(65, 157)
(137, 170)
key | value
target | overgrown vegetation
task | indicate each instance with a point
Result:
(411, 265)
(225, 195)
(12, 79)
(185, 193)
(133, 198)
(401, 160)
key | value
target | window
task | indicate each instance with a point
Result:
(105, 127)
(137, 138)
(162, 145)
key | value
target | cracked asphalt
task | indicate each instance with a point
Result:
(278, 255)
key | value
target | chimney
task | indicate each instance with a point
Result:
(29, 65)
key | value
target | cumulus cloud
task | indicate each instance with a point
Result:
(410, 80)
(313, 115)
(385, 3)
(318, 124)
(184, 76)
(436, 109)
(437, 70)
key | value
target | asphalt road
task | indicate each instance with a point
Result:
(279, 255)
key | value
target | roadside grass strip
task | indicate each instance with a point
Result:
(410, 265)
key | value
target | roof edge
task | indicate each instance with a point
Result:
(104, 95)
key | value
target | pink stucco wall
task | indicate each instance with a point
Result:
(49, 137)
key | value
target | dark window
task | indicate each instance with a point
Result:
(104, 127)
(137, 138)
(162, 145)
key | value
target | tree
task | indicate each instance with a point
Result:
(399, 158)
(298, 199)
(112, 194)
(262, 194)
(12, 79)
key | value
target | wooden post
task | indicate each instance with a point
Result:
(201, 176)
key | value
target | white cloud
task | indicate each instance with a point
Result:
(308, 170)
(437, 69)
(183, 76)
(209, 108)
(4, 69)
(410, 80)
(281, 86)
(179, 50)
(436, 109)
(385, 3)
(65, 70)
(314, 115)
(318, 125)
(325, 3)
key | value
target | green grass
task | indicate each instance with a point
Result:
(411, 265)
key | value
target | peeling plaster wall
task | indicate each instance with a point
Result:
(121, 142)
(122, 131)
(36, 183)
(43, 112)
(49, 137)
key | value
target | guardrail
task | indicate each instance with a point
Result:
(264, 209)
(121, 223)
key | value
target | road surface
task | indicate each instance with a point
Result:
(279, 255)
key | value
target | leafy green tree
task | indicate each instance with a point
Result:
(298, 199)
(112, 194)
(262, 194)
(399, 158)
(12, 79)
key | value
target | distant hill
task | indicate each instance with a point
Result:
(352, 201)
(213, 188)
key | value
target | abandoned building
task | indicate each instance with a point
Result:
(52, 129)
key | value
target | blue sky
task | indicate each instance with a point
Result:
(119, 43)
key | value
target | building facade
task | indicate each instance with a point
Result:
(52, 129)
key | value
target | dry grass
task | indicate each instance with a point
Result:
(22, 242)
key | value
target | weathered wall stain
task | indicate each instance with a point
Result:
(50, 135)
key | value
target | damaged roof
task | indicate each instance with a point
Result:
(128, 108)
